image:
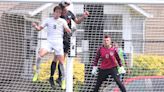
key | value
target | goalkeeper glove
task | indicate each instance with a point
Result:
(121, 70)
(94, 70)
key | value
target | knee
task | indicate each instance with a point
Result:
(54, 60)
(61, 61)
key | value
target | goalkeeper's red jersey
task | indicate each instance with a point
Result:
(108, 56)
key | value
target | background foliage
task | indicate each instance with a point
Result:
(148, 65)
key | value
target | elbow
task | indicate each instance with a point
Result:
(78, 22)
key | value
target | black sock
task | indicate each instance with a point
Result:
(59, 70)
(62, 70)
(53, 67)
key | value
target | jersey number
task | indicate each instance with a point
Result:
(54, 26)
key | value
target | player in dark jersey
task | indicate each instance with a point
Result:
(68, 16)
(108, 64)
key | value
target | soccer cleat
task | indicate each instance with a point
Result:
(35, 78)
(51, 81)
(63, 84)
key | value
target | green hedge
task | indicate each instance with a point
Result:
(148, 65)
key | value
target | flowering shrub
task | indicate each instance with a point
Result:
(148, 65)
(78, 69)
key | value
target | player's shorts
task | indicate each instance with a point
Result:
(66, 42)
(66, 46)
(56, 45)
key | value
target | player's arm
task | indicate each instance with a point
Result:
(97, 57)
(66, 27)
(118, 58)
(95, 62)
(37, 27)
(80, 19)
(43, 24)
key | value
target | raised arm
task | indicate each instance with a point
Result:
(80, 19)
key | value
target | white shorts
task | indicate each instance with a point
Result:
(56, 45)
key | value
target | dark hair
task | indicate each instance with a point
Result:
(107, 36)
(57, 8)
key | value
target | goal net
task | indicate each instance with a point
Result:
(136, 27)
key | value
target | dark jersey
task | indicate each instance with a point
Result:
(68, 18)
(108, 58)
(66, 38)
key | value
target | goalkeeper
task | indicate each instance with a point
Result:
(68, 16)
(108, 65)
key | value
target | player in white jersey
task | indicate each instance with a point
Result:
(55, 30)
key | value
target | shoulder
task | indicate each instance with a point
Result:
(49, 18)
(70, 12)
(62, 20)
(113, 49)
(100, 48)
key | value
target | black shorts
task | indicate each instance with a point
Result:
(66, 46)
(66, 42)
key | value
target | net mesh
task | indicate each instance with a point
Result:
(130, 25)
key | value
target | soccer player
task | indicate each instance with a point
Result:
(123, 58)
(55, 26)
(68, 16)
(108, 65)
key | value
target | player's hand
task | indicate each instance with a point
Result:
(86, 14)
(94, 70)
(121, 70)
(34, 25)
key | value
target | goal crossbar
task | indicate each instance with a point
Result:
(96, 1)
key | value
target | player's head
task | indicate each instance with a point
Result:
(64, 4)
(57, 12)
(107, 40)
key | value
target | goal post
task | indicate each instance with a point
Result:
(136, 25)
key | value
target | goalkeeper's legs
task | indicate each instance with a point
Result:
(42, 52)
(102, 75)
(115, 75)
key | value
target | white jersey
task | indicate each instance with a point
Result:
(55, 28)
(55, 31)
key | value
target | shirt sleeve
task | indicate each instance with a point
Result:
(73, 16)
(44, 23)
(96, 58)
(118, 58)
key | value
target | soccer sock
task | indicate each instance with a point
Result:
(38, 63)
(61, 66)
(59, 70)
(53, 67)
